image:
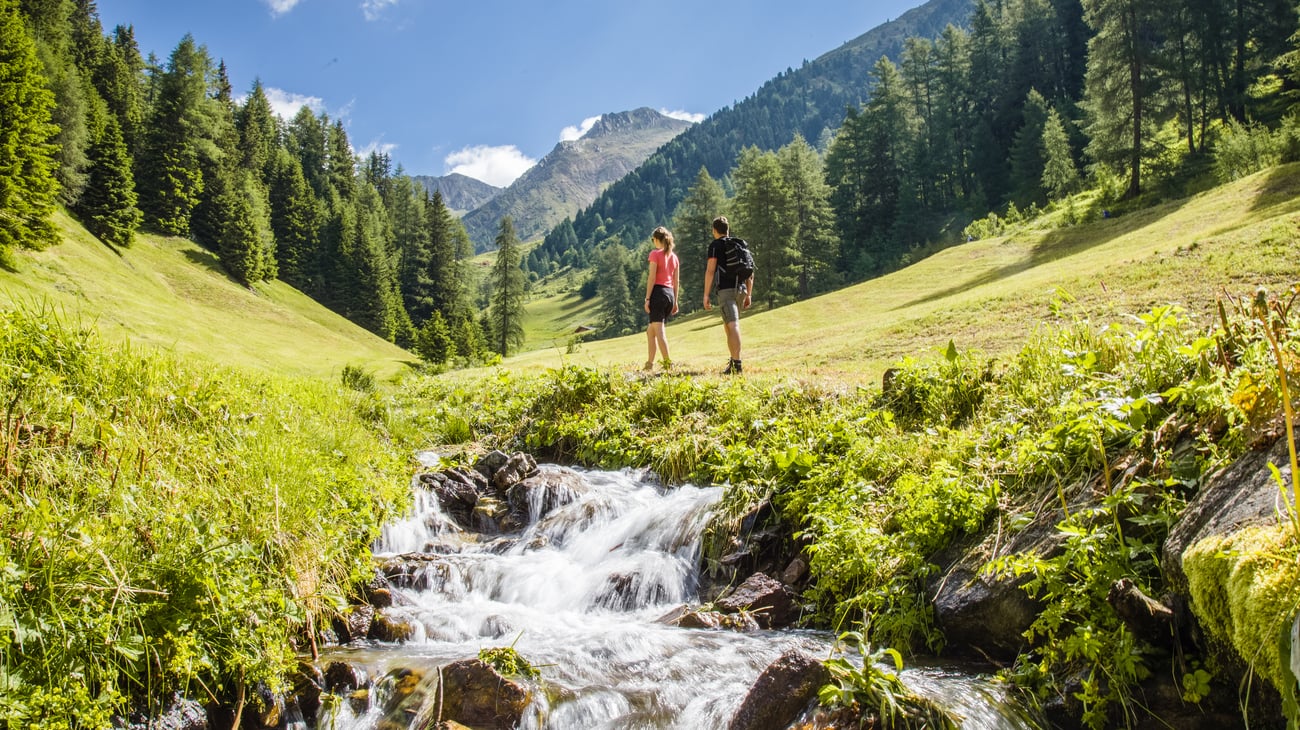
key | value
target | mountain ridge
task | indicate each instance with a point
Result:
(460, 193)
(573, 174)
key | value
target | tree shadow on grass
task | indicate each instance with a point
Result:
(206, 259)
(1280, 191)
(1054, 245)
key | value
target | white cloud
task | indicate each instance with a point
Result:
(497, 166)
(280, 7)
(286, 104)
(687, 116)
(373, 9)
(378, 145)
(568, 134)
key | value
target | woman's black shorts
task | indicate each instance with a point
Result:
(661, 303)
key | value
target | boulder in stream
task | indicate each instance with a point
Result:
(476, 695)
(180, 714)
(781, 693)
(767, 599)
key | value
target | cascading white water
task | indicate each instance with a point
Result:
(577, 594)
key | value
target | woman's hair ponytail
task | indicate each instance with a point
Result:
(664, 236)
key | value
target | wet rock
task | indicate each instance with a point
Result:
(266, 706)
(354, 624)
(488, 515)
(770, 602)
(490, 463)
(688, 618)
(179, 714)
(308, 685)
(391, 629)
(781, 693)
(984, 616)
(495, 627)
(476, 695)
(405, 691)
(518, 467)
(796, 571)
(1242, 495)
(342, 677)
(456, 496)
(545, 492)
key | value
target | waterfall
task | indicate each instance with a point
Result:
(577, 593)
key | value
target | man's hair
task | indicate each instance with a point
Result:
(721, 225)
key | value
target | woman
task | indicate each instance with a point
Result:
(661, 289)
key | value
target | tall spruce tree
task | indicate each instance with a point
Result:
(108, 205)
(1060, 176)
(1028, 158)
(618, 310)
(295, 222)
(506, 313)
(692, 232)
(219, 157)
(258, 132)
(764, 210)
(246, 244)
(168, 171)
(121, 83)
(28, 186)
(814, 222)
(1122, 84)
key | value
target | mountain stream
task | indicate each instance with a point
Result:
(577, 594)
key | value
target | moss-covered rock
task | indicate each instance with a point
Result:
(1245, 590)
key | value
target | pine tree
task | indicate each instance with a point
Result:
(218, 164)
(434, 342)
(258, 133)
(813, 219)
(120, 82)
(306, 140)
(168, 171)
(764, 210)
(1028, 158)
(692, 231)
(295, 223)
(1060, 176)
(108, 206)
(28, 187)
(242, 244)
(1121, 85)
(618, 310)
(507, 310)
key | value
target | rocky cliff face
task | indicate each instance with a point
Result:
(573, 174)
(460, 193)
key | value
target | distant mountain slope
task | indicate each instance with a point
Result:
(810, 100)
(460, 193)
(573, 174)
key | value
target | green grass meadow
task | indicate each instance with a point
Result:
(171, 294)
(987, 295)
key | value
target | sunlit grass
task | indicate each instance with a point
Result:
(990, 295)
(172, 294)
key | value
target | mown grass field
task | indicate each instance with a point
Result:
(990, 295)
(170, 293)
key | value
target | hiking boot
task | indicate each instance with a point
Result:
(649, 365)
(733, 366)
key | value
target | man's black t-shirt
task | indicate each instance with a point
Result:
(716, 251)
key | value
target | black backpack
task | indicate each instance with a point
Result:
(735, 259)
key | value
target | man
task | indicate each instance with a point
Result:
(732, 294)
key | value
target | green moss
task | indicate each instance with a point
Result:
(1246, 590)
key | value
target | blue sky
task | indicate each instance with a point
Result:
(487, 87)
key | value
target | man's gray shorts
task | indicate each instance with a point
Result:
(729, 303)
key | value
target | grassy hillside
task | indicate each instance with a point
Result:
(990, 295)
(172, 294)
